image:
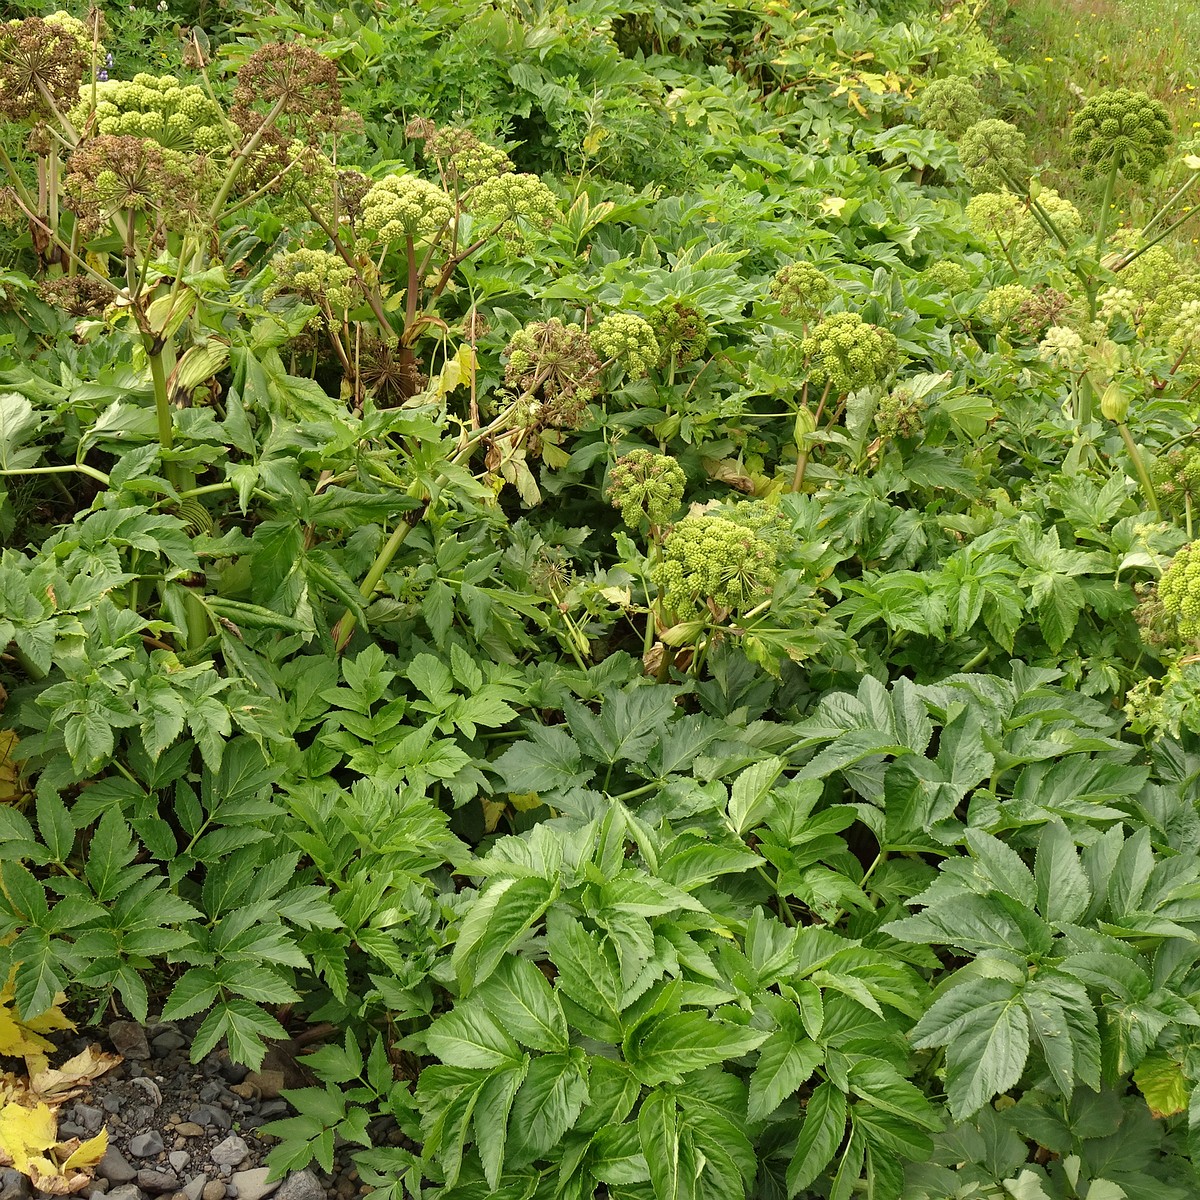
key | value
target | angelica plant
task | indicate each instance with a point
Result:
(950, 105)
(628, 341)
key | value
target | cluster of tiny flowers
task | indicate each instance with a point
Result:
(994, 215)
(646, 487)
(1032, 236)
(846, 353)
(1177, 479)
(1062, 347)
(1001, 305)
(900, 414)
(1118, 303)
(1124, 129)
(406, 206)
(78, 295)
(714, 562)
(629, 341)
(42, 63)
(1179, 591)
(802, 290)
(992, 152)
(295, 83)
(1185, 335)
(1151, 271)
(950, 105)
(516, 203)
(553, 369)
(1044, 307)
(681, 330)
(946, 276)
(1159, 314)
(464, 160)
(156, 107)
(316, 276)
(109, 174)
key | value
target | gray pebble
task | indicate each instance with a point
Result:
(252, 1184)
(127, 1191)
(179, 1159)
(69, 1129)
(165, 1042)
(99, 1187)
(272, 1108)
(129, 1039)
(90, 1118)
(14, 1185)
(112, 1104)
(115, 1167)
(231, 1190)
(211, 1091)
(157, 1182)
(146, 1145)
(210, 1114)
(231, 1152)
(301, 1185)
(194, 1187)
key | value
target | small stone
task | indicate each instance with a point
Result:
(115, 1167)
(157, 1182)
(273, 1108)
(90, 1118)
(129, 1039)
(231, 1192)
(146, 1145)
(210, 1092)
(179, 1159)
(99, 1187)
(253, 1185)
(247, 1091)
(174, 1119)
(14, 1185)
(127, 1191)
(194, 1188)
(164, 1043)
(301, 1185)
(231, 1152)
(69, 1129)
(111, 1104)
(214, 1189)
(210, 1114)
(267, 1084)
(233, 1072)
(189, 1129)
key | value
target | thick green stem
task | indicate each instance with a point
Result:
(81, 468)
(1106, 206)
(235, 168)
(1139, 465)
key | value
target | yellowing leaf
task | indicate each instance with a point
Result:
(832, 206)
(524, 801)
(29, 1142)
(1160, 1080)
(493, 810)
(27, 1133)
(23, 1039)
(11, 790)
(56, 1084)
(88, 1153)
(1192, 162)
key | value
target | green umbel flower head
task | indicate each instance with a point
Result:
(406, 206)
(646, 487)
(951, 105)
(521, 202)
(1177, 479)
(316, 276)
(946, 276)
(1062, 347)
(709, 560)
(158, 107)
(628, 340)
(847, 353)
(900, 414)
(802, 290)
(1002, 304)
(1179, 591)
(1121, 128)
(993, 153)
(681, 330)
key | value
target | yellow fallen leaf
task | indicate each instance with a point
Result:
(524, 801)
(493, 810)
(1192, 162)
(23, 1039)
(88, 1153)
(27, 1133)
(29, 1142)
(56, 1084)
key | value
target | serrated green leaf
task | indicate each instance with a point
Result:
(496, 922)
(820, 1135)
(521, 999)
(785, 1061)
(467, 1036)
(670, 1047)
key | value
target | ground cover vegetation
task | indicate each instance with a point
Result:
(632, 563)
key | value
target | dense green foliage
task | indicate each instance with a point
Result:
(561, 541)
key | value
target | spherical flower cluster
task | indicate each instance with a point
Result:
(802, 290)
(1184, 341)
(110, 174)
(646, 487)
(992, 153)
(681, 330)
(1179, 591)
(995, 215)
(845, 353)
(950, 105)
(156, 107)
(518, 203)
(400, 207)
(41, 65)
(900, 414)
(715, 563)
(1032, 236)
(1161, 312)
(1044, 307)
(629, 341)
(1118, 303)
(1002, 304)
(1151, 271)
(1123, 129)
(946, 276)
(1062, 347)
(1177, 479)
(465, 161)
(293, 82)
(554, 370)
(316, 276)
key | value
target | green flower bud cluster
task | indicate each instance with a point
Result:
(1150, 271)
(629, 341)
(681, 330)
(159, 107)
(1184, 341)
(1118, 303)
(992, 153)
(995, 216)
(1032, 236)
(521, 202)
(464, 159)
(946, 276)
(1002, 304)
(846, 353)
(1177, 479)
(1160, 313)
(802, 290)
(399, 207)
(316, 276)
(554, 371)
(1179, 591)
(646, 487)
(1062, 347)
(900, 414)
(1123, 129)
(950, 105)
(715, 563)
(109, 174)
